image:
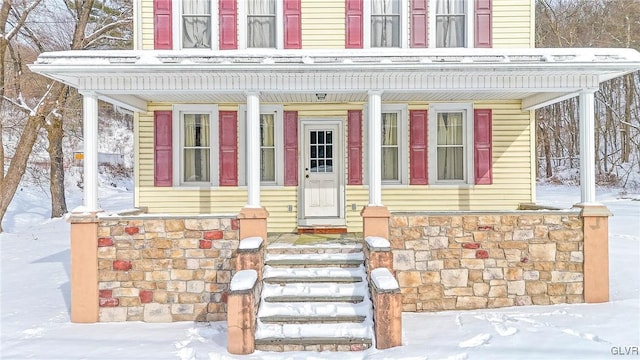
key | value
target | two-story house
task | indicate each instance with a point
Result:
(411, 120)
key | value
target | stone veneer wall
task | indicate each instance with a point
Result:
(163, 269)
(451, 261)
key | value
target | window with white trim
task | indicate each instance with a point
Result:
(450, 143)
(271, 144)
(450, 24)
(195, 131)
(260, 24)
(385, 23)
(196, 24)
(394, 141)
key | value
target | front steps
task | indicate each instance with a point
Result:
(314, 298)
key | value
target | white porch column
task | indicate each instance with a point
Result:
(253, 150)
(587, 146)
(90, 115)
(374, 141)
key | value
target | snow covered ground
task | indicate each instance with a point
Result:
(34, 305)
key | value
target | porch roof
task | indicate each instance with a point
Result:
(538, 77)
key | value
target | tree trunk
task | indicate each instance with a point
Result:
(56, 166)
(19, 163)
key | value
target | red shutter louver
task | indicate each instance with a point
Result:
(228, 142)
(354, 23)
(418, 131)
(419, 23)
(291, 148)
(162, 149)
(162, 25)
(483, 24)
(354, 147)
(228, 27)
(292, 24)
(482, 146)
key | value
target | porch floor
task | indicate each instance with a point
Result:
(293, 239)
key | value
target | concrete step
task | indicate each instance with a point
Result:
(277, 275)
(309, 312)
(313, 344)
(314, 337)
(315, 292)
(326, 247)
(315, 260)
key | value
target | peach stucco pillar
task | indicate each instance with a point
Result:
(253, 222)
(84, 268)
(375, 221)
(596, 252)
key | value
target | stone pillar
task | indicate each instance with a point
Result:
(241, 314)
(596, 252)
(253, 222)
(251, 255)
(84, 268)
(375, 221)
(378, 254)
(387, 309)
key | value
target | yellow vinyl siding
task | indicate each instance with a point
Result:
(323, 24)
(513, 23)
(146, 17)
(512, 175)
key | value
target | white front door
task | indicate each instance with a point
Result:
(321, 165)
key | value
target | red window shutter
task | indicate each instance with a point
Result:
(419, 23)
(228, 142)
(292, 24)
(354, 147)
(418, 154)
(228, 14)
(291, 148)
(353, 18)
(162, 26)
(162, 149)
(483, 24)
(482, 146)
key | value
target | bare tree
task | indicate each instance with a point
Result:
(96, 24)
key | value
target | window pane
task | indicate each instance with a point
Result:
(450, 23)
(390, 129)
(267, 164)
(196, 24)
(385, 23)
(389, 163)
(450, 129)
(450, 165)
(196, 130)
(261, 24)
(267, 127)
(196, 165)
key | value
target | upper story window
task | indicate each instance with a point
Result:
(196, 24)
(261, 23)
(385, 23)
(451, 23)
(459, 23)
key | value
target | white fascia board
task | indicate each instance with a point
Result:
(129, 102)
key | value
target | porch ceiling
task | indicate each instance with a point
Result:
(538, 77)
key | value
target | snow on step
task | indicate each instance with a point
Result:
(311, 309)
(324, 272)
(326, 245)
(315, 290)
(316, 257)
(343, 330)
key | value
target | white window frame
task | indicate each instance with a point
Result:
(404, 25)
(470, 16)
(403, 143)
(278, 112)
(467, 129)
(242, 24)
(177, 26)
(178, 144)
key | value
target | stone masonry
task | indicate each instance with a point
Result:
(163, 269)
(460, 261)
